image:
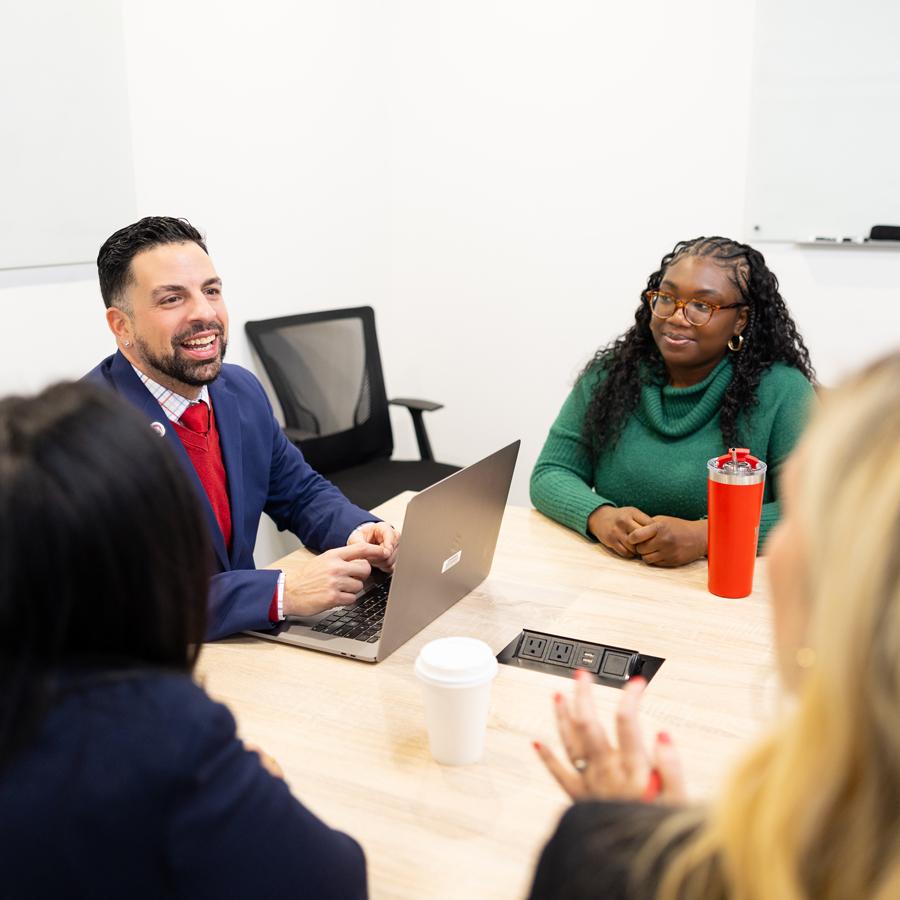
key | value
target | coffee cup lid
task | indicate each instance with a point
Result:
(456, 661)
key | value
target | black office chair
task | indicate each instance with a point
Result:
(325, 369)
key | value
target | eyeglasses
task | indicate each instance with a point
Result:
(697, 312)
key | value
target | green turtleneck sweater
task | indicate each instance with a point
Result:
(659, 462)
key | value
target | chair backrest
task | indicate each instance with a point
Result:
(325, 369)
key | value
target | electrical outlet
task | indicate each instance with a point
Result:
(560, 652)
(534, 646)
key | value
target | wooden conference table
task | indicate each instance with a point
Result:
(351, 736)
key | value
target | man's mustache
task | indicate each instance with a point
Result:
(198, 328)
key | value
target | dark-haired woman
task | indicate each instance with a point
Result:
(712, 361)
(119, 777)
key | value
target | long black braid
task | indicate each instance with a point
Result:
(770, 336)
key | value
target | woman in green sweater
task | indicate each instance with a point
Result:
(712, 361)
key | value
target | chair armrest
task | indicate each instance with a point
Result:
(410, 404)
(416, 408)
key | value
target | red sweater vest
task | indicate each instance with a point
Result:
(205, 452)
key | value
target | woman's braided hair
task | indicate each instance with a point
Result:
(770, 336)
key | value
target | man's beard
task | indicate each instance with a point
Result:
(194, 372)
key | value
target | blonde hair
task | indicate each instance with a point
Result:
(814, 810)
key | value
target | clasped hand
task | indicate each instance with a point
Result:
(658, 540)
(335, 577)
(601, 769)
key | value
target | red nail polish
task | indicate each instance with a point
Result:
(664, 738)
(557, 698)
(654, 785)
(638, 679)
(536, 745)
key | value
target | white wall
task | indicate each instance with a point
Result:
(496, 178)
(545, 157)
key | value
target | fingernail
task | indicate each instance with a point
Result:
(557, 698)
(654, 784)
(536, 745)
(582, 674)
(664, 738)
(638, 679)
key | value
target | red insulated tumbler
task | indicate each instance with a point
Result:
(735, 495)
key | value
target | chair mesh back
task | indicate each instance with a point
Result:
(324, 366)
(326, 370)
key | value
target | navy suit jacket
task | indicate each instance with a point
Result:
(266, 473)
(137, 786)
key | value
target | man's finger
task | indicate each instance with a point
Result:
(350, 586)
(387, 537)
(361, 550)
(358, 568)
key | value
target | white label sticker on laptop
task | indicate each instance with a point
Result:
(451, 561)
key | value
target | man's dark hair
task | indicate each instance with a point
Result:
(114, 259)
(769, 337)
(105, 555)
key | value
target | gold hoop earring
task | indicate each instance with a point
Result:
(740, 343)
(806, 657)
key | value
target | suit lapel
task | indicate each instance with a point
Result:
(132, 388)
(228, 423)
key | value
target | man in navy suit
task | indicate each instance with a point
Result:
(165, 308)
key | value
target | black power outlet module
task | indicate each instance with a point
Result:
(558, 655)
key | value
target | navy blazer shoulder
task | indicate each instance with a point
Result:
(137, 786)
(266, 474)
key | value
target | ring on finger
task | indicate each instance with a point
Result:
(580, 764)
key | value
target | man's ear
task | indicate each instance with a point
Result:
(119, 323)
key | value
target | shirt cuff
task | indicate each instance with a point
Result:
(368, 522)
(276, 607)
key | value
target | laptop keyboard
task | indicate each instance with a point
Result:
(361, 621)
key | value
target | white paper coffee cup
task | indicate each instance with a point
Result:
(456, 675)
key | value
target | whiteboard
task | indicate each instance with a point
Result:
(824, 154)
(66, 173)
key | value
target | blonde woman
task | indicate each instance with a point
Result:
(814, 810)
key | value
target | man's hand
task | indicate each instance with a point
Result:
(333, 578)
(667, 541)
(612, 525)
(381, 535)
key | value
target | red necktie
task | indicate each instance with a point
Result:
(196, 418)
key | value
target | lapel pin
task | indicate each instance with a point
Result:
(159, 428)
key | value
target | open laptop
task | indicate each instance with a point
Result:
(449, 535)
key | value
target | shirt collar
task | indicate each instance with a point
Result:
(173, 404)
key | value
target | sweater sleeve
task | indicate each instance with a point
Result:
(792, 409)
(562, 483)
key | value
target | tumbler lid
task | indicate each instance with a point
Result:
(737, 461)
(736, 465)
